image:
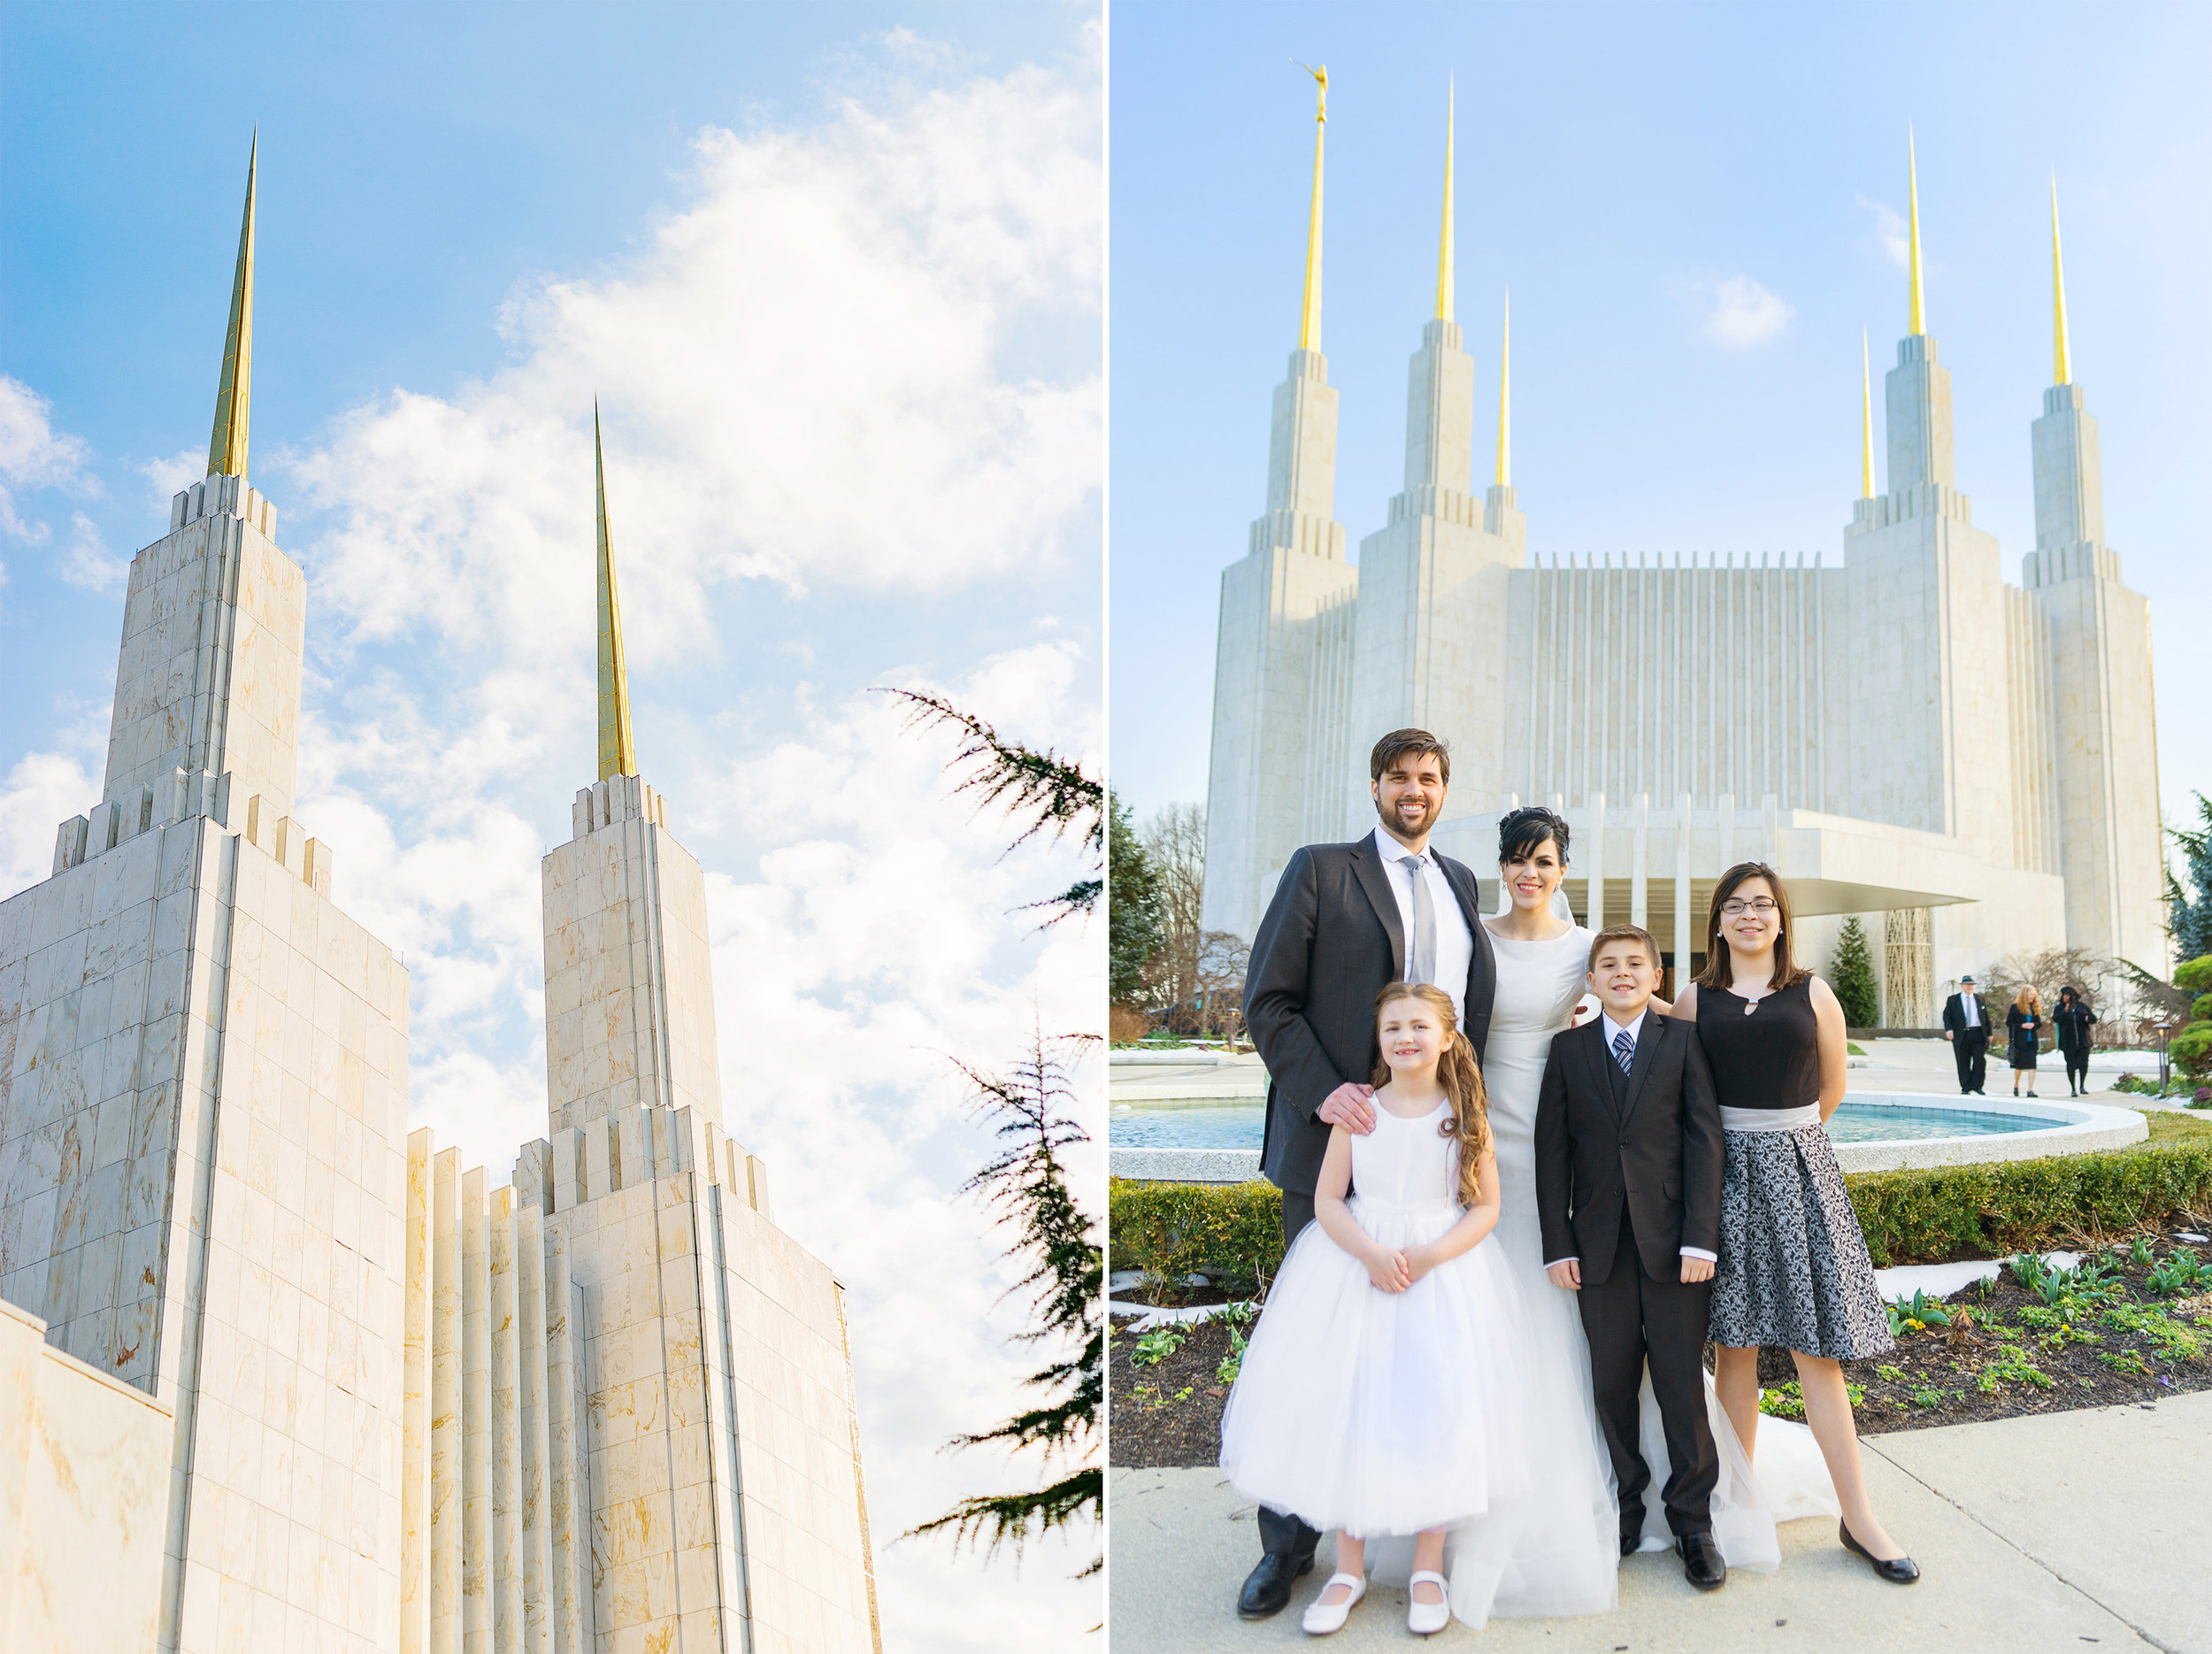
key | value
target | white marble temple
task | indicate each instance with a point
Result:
(1979, 755)
(84, 1487)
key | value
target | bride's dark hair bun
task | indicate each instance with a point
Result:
(1521, 831)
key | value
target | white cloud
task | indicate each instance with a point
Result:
(33, 455)
(167, 478)
(1744, 315)
(802, 381)
(1890, 229)
(88, 563)
(43, 790)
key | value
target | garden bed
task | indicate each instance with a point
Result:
(2116, 1331)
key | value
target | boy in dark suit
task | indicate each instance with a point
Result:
(1629, 1156)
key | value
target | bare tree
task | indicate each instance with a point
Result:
(1223, 958)
(1175, 844)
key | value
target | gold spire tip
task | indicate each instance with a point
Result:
(1866, 419)
(618, 753)
(1444, 252)
(1912, 162)
(2064, 367)
(226, 444)
(1310, 315)
(1505, 398)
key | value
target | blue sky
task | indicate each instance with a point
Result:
(834, 273)
(1619, 167)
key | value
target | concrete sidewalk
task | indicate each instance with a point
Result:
(2074, 1531)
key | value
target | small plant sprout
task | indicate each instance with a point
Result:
(1155, 1346)
(1916, 1314)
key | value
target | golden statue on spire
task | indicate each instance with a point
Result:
(1444, 252)
(618, 753)
(1309, 317)
(226, 447)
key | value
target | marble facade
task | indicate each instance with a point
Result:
(1969, 763)
(277, 1374)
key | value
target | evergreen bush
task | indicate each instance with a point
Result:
(1851, 974)
(1234, 1230)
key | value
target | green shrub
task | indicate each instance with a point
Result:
(1851, 975)
(2191, 1050)
(1234, 1230)
(2195, 977)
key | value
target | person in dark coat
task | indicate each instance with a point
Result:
(2071, 1022)
(1345, 921)
(1966, 1024)
(2024, 1036)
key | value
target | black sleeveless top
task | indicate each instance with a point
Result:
(1768, 1060)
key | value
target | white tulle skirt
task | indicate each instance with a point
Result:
(1383, 1413)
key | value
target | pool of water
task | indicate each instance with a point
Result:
(1238, 1124)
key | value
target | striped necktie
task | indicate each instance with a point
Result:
(1624, 1049)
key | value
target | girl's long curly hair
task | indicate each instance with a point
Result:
(1460, 1075)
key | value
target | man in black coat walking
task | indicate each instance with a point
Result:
(1347, 921)
(1966, 1024)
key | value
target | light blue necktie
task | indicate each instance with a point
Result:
(1420, 946)
(1624, 1049)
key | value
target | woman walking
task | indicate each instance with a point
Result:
(2071, 1022)
(2024, 1032)
(1793, 1269)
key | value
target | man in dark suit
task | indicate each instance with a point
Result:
(1346, 922)
(1966, 1024)
(1629, 1156)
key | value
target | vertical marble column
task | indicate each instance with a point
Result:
(445, 1408)
(530, 1338)
(1594, 859)
(504, 1426)
(476, 1405)
(1684, 946)
(1639, 866)
(1726, 805)
(414, 1486)
(564, 1448)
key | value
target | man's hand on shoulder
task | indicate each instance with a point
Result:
(1350, 1106)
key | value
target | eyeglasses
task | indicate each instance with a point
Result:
(1759, 904)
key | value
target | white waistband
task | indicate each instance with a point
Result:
(1769, 1118)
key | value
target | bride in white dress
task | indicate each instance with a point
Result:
(1555, 1552)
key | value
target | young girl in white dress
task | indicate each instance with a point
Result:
(1382, 1391)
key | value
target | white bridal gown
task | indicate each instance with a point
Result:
(1555, 1551)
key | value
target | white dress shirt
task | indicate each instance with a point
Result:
(1454, 943)
(1634, 1030)
(1970, 1008)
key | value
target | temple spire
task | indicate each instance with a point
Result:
(1309, 317)
(1912, 162)
(618, 755)
(1505, 398)
(1444, 252)
(1866, 419)
(226, 447)
(2058, 295)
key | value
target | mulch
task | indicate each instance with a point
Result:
(2007, 1354)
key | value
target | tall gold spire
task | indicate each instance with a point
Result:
(1866, 421)
(226, 447)
(1444, 252)
(618, 756)
(2058, 293)
(1505, 399)
(1310, 317)
(1912, 161)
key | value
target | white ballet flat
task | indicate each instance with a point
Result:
(1425, 1620)
(1323, 1618)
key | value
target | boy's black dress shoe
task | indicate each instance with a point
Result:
(1701, 1562)
(1631, 1543)
(1267, 1588)
(1897, 1570)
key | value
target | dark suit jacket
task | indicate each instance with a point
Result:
(1955, 1013)
(1651, 1148)
(1330, 941)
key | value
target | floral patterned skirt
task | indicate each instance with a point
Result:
(1793, 1270)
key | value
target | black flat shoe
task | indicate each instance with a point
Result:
(1701, 1562)
(1897, 1570)
(1267, 1588)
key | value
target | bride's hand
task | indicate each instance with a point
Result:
(1387, 1270)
